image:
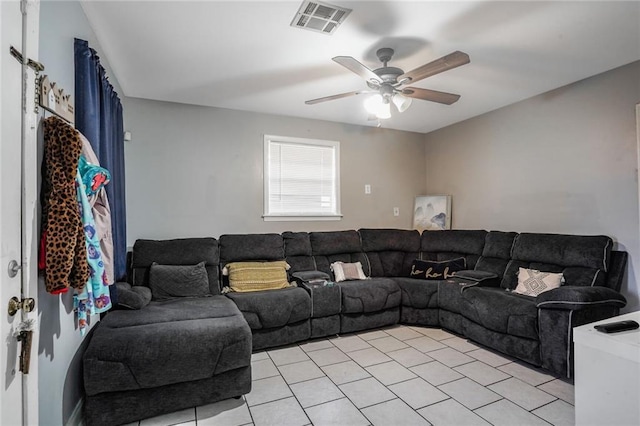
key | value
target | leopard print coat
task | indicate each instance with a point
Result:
(65, 250)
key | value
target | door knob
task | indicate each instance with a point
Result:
(15, 304)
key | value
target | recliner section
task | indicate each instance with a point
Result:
(275, 317)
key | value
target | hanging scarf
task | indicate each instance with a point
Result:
(94, 297)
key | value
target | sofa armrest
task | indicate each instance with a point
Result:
(132, 297)
(577, 298)
(477, 278)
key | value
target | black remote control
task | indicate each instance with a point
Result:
(614, 327)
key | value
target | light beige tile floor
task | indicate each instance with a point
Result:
(394, 375)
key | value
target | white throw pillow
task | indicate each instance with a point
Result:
(348, 271)
(532, 282)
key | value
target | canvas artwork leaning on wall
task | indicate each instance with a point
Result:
(432, 212)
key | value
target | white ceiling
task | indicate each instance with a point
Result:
(245, 55)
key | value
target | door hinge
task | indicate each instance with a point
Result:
(35, 65)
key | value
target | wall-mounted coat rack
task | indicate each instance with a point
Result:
(53, 99)
(49, 96)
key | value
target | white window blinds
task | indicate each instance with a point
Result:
(301, 178)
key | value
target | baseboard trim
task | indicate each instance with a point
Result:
(75, 419)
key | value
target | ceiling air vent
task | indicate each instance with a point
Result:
(319, 17)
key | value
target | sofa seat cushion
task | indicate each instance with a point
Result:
(418, 293)
(146, 348)
(501, 311)
(273, 308)
(450, 294)
(372, 295)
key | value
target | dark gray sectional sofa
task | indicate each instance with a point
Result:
(186, 352)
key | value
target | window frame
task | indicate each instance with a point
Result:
(267, 215)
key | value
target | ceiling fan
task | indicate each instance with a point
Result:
(387, 83)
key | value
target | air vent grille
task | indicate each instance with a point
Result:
(319, 17)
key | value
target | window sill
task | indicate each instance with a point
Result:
(294, 218)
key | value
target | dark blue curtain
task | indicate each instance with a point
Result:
(99, 117)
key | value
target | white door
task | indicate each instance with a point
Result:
(18, 229)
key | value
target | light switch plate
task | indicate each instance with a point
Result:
(367, 189)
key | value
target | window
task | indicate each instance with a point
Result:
(301, 179)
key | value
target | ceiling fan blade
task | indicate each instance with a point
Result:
(430, 95)
(445, 63)
(332, 97)
(353, 65)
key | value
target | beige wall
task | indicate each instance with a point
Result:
(564, 161)
(197, 171)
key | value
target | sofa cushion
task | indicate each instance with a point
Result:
(128, 347)
(502, 311)
(532, 282)
(187, 251)
(496, 252)
(434, 270)
(584, 251)
(375, 294)
(257, 276)
(296, 244)
(246, 247)
(450, 294)
(450, 244)
(418, 293)
(337, 242)
(339, 246)
(170, 281)
(273, 308)
(297, 251)
(390, 251)
(583, 260)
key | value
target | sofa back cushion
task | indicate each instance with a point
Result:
(247, 247)
(186, 252)
(454, 243)
(343, 246)
(390, 251)
(496, 252)
(242, 247)
(582, 259)
(297, 251)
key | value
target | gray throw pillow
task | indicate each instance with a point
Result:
(171, 281)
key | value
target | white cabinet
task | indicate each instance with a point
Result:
(607, 374)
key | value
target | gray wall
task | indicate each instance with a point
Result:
(565, 162)
(61, 346)
(197, 171)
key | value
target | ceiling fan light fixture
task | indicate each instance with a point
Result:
(385, 111)
(401, 102)
(378, 106)
(372, 103)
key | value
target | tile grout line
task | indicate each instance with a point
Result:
(387, 387)
(289, 386)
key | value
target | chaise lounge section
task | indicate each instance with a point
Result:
(171, 354)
